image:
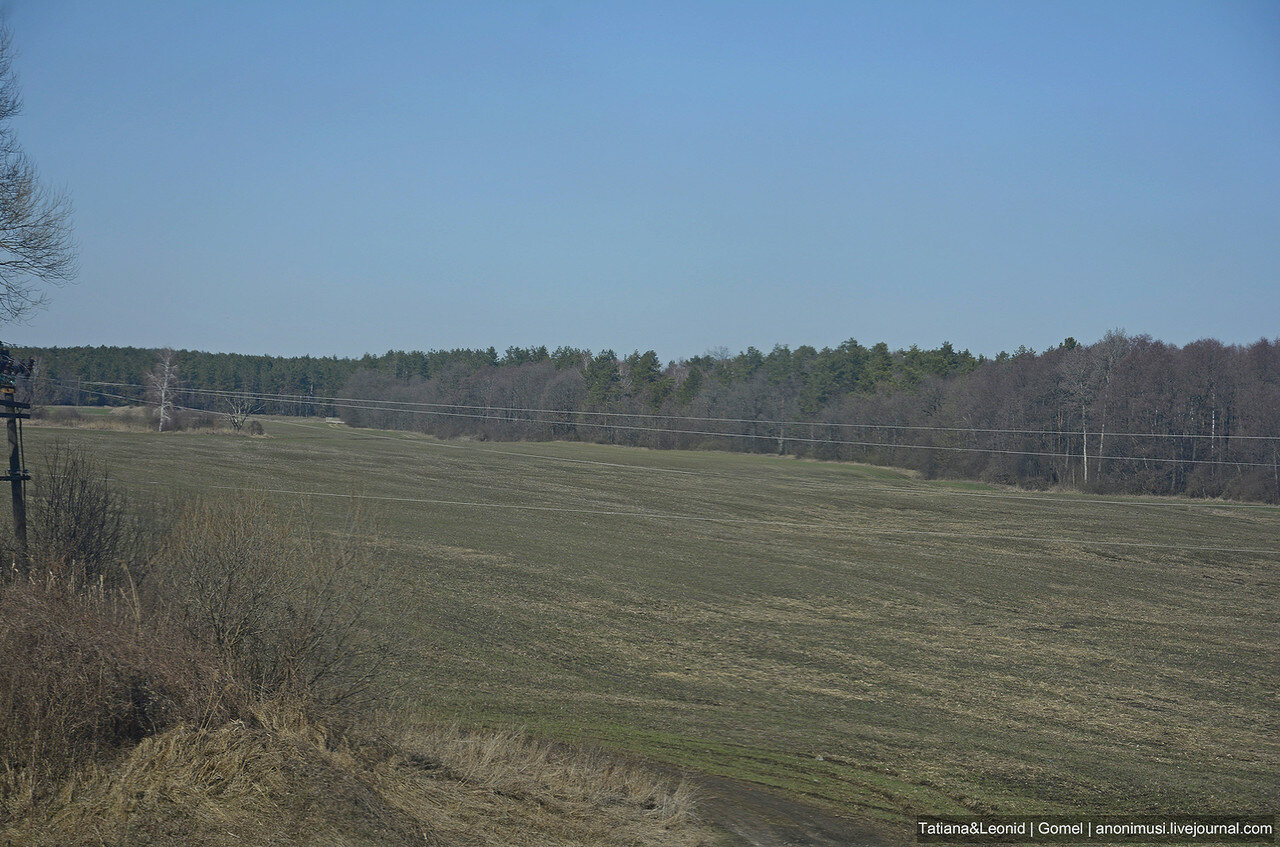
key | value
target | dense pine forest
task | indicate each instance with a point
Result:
(1125, 414)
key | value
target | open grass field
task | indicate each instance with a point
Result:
(875, 643)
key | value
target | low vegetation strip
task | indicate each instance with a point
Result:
(877, 675)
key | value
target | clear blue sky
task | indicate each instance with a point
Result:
(333, 178)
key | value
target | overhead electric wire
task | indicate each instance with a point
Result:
(363, 406)
(386, 407)
(745, 521)
(828, 485)
(332, 400)
(704, 473)
(278, 419)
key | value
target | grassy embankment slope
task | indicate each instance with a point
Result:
(851, 635)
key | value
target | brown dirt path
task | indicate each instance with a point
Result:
(754, 816)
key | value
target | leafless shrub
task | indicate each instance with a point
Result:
(255, 605)
(80, 526)
(81, 676)
(280, 600)
(193, 420)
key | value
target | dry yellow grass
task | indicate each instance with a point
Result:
(284, 779)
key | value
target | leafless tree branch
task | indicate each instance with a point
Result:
(36, 244)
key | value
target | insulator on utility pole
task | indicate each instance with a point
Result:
(14, 412)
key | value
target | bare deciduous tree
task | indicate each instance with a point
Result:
(240, 407)
(1108, 352)
(1079, 384)
(162, 386)
(35, 223)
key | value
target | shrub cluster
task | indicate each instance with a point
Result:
(121, 626)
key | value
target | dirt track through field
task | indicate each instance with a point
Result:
(757, 817)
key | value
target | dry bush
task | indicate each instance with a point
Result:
(95, 655)
(193, 420)
(82, 678)
(82, 673)
(81, 529)
(280, 600)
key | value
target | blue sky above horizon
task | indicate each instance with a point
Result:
(332, 178)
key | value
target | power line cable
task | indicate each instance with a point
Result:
(757, 436)
(733, 477)
(332, 400)
(636, 428)
(1083, 500)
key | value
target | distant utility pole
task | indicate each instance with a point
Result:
(13, 412)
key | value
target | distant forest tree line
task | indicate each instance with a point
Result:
(1125, 414)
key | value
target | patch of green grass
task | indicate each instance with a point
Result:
(875, 642)
(84, 411)
(964, 485)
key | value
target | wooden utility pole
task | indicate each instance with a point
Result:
(13, 412)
